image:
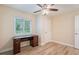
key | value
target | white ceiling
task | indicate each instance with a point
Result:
(62, 8)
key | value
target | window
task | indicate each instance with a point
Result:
(22, 26)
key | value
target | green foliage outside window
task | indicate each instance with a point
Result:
(27, 26)
(23, 26)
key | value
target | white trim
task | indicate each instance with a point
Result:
(5, 50)
(8, 49)
(14, 24)
(43, 43)
(63, 43)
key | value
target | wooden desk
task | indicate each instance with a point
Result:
(18, 39)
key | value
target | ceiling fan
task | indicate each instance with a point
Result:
(45, 8)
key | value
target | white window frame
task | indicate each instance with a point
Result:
(30, 33)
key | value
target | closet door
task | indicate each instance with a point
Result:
(44, 29)
(77, 32)
(47, 30)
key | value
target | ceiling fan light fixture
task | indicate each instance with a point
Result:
(46, 9)
(49, 6)
(45, 12)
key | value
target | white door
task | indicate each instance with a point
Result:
(47, 30)
(44, 29)
(77, 32)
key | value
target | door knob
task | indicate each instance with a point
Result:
(76, 33)
(45, 32)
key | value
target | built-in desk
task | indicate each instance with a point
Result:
(18, 39)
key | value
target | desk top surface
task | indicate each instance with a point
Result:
(22, 36)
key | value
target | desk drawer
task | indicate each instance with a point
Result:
(16, 46)
(26, 39)
(34, 41)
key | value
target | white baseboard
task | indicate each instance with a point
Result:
(43, 43)
(9, 49)
(63, 43)
(6, 50)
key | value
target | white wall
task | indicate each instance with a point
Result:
(63, 26)
(6, 26)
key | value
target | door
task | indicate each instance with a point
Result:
(77, 32)
(47, 30)
(44, 29)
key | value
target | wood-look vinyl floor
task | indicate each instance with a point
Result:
(49, 49)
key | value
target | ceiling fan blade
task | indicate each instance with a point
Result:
(39, 5)
(37, 11)
(53, 9)
(52, 4)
